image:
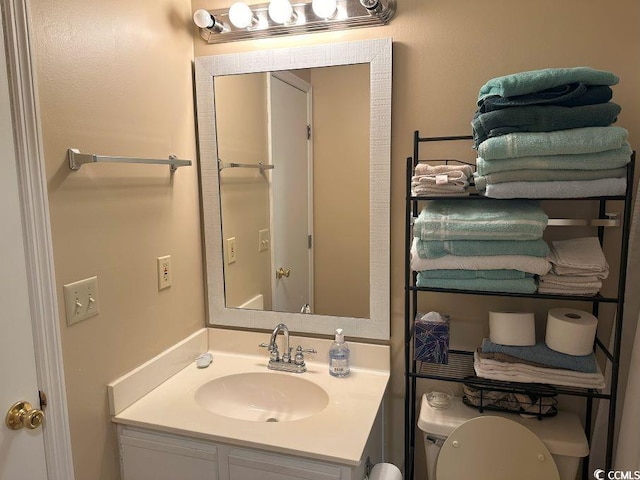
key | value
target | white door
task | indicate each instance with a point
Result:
(291, 207)
(22, 454)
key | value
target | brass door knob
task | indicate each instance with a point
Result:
(282, 272)
(21, 414)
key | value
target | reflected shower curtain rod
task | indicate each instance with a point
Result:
(77, 159)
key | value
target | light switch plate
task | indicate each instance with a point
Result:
(264, 239)
(231, 250)
(81, 300)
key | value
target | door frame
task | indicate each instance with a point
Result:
(34, 206)
(304, 86)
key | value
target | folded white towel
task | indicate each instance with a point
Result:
(523, 263)
(558, 290)
(520, 372)
(427, 169)
(578, 256)
(431, 180)
(552, 278)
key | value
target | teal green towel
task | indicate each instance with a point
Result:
(481, 181)
(560, 142)
(537, 80)
(480, 220)
(473, 274)
(588, 161)
(472, 248)
(524, 285)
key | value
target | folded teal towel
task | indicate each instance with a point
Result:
(480, 220)
(524, 285)
(472, 248)
(473, 274)
(561, 142)
(481, 181)
(543, 355)
(537, 80)
(609, 159)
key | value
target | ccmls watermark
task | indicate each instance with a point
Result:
(600, 474)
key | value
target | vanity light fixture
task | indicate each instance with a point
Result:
(290, 17)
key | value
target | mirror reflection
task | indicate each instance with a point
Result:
(293, 149)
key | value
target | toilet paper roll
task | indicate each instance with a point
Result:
(571, 331)
(512, 328)
(385, 471)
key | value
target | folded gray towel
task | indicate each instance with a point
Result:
(567, 189)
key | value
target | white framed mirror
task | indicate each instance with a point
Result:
(242, 170)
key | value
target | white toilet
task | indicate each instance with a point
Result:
(461, 442)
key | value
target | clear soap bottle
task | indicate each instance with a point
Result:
(339, 356)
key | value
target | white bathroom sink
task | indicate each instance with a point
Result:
(262, 397)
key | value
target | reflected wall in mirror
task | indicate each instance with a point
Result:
(312, 127)
(246, 144)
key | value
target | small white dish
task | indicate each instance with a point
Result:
(440, 399)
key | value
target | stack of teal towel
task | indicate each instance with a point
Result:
(483, 245)
(549, 134)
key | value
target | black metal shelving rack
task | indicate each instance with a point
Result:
(460, 367)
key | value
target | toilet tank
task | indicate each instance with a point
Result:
(562, 434)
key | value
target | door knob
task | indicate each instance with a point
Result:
(282, 272)
(21, 414)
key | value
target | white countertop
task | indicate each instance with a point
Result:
(338, 433)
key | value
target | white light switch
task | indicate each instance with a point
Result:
(263, 240)
(81, 300)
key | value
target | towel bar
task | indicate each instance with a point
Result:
(260, 165)
(77, 159)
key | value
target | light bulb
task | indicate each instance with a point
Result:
(281, 11)
(324, 8)
(240, 15)
(202, 18)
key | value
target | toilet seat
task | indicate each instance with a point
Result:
(494, 448)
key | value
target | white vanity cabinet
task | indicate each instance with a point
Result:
(149, 455)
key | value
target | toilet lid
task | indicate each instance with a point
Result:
(494, 448)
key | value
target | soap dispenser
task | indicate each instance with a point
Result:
(339, 356)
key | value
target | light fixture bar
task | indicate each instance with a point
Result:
(349, 14)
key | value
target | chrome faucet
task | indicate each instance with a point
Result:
(284, 363)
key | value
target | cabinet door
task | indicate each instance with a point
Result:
(164, 458)
(251, 465)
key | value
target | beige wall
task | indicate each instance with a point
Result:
(341, 190)
(242, 127)
(115, 77)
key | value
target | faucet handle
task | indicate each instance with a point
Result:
(274, 355)
(299, 358)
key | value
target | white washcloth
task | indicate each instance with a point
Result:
(520, 372)
(578, 256)
(426, 169)
(563, 189)
(524, 263)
